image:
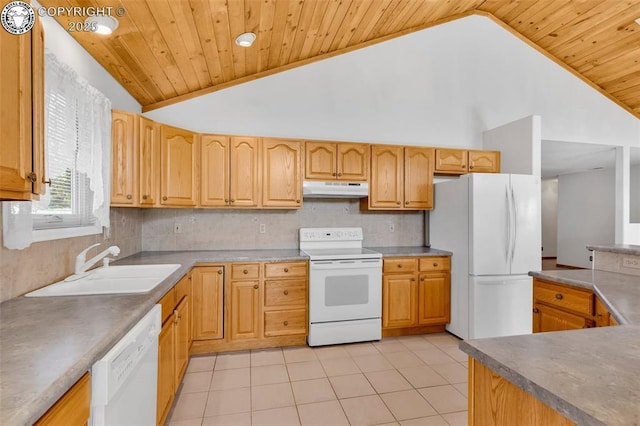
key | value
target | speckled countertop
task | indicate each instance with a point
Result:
(409, 251)
(617, 248)
(591, 375)
(48, 343)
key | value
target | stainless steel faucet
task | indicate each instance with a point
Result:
(82, 265)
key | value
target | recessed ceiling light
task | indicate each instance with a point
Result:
(103, 24)
(245, 39)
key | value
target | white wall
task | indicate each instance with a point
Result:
(634, 209)
(549, 217)
(519, 143)
(586, 214)
(69, 51)
(440, 86)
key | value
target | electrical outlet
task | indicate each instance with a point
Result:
(177, 228)
(631, 262)
(263, 228)
(392, 227)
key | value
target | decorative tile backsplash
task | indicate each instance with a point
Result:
(203, 229)
(46, 262)
(614, 262)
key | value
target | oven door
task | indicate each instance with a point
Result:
(342, 290)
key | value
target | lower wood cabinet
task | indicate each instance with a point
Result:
(416, 295)
(73, 408)
(173, 344)
(208, 302)
(547, 318)
(245, 310)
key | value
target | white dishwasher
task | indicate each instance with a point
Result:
(124, 381)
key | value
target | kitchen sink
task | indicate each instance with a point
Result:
(109, 280)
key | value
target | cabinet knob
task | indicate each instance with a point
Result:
(399, 265)
(219, 271)
(334, 174)
(422, 279)
(245, 271)
(297, 201)
(413, 279)
(339, 174)
(286, 323)
(164, 198)
(286, 292)
(129, 196)
(286, 269)
(255, 287)
(232, 200)
(559, 296)
(33, 177)
(226, 200)
(536, 310)
(435, 265)
(398, 202)
(470, 167)
(144, 197)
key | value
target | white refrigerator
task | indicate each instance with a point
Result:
(492, 224)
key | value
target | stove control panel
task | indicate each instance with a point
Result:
(330, 234)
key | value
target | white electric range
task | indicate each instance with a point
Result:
(345, 286)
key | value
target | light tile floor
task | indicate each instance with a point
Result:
(413, 380)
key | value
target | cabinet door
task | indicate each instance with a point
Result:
(166, 375)
(451, 161)
(208, 283)
(387, 171)
(16, 124)
(603, 317)
(281, 173)
(124, 159)
(546, 318)
(418, 178)
(244, 172)
(434, 298)
(484, 161)
(245, 310)
(399, 305)
(179, 166)
(214, 178)
(149, 152)
(181, 324)
(37, 107)
(320, 161)
(353, 161)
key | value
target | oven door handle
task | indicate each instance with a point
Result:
(345, 264)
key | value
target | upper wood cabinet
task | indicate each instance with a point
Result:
(245, 172)
(331, 160)
(179, 152)
(149, 162)
(124, 159)
(214, 166)
(22, 111)
(460, 161)
(401, 178)
(281, 173)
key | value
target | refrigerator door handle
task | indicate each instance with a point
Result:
(515, 223)
(508, 227)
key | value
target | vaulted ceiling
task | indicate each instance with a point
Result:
(165, 51)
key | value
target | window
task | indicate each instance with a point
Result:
(77, 156)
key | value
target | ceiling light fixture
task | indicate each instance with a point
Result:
(245, 39)
(102, 24)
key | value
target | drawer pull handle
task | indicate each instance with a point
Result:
(435, 265)
(559, 296)
(399, 265)
(286, 269)
(245, 272)
(286, 292)
(286, 323)
(255, 286)
(219, 271)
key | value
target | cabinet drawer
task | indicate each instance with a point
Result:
(435, 264)
(168, 302)
(283, 323)
(563, 296)
(285, 292)
(245, 271)
(285, 269)
(399, 265)
(182, 288)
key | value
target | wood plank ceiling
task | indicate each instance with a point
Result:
(165, 51)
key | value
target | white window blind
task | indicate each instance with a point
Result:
(77, 152)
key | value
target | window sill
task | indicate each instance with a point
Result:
(60, 233)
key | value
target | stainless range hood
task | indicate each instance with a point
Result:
(334, 189)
